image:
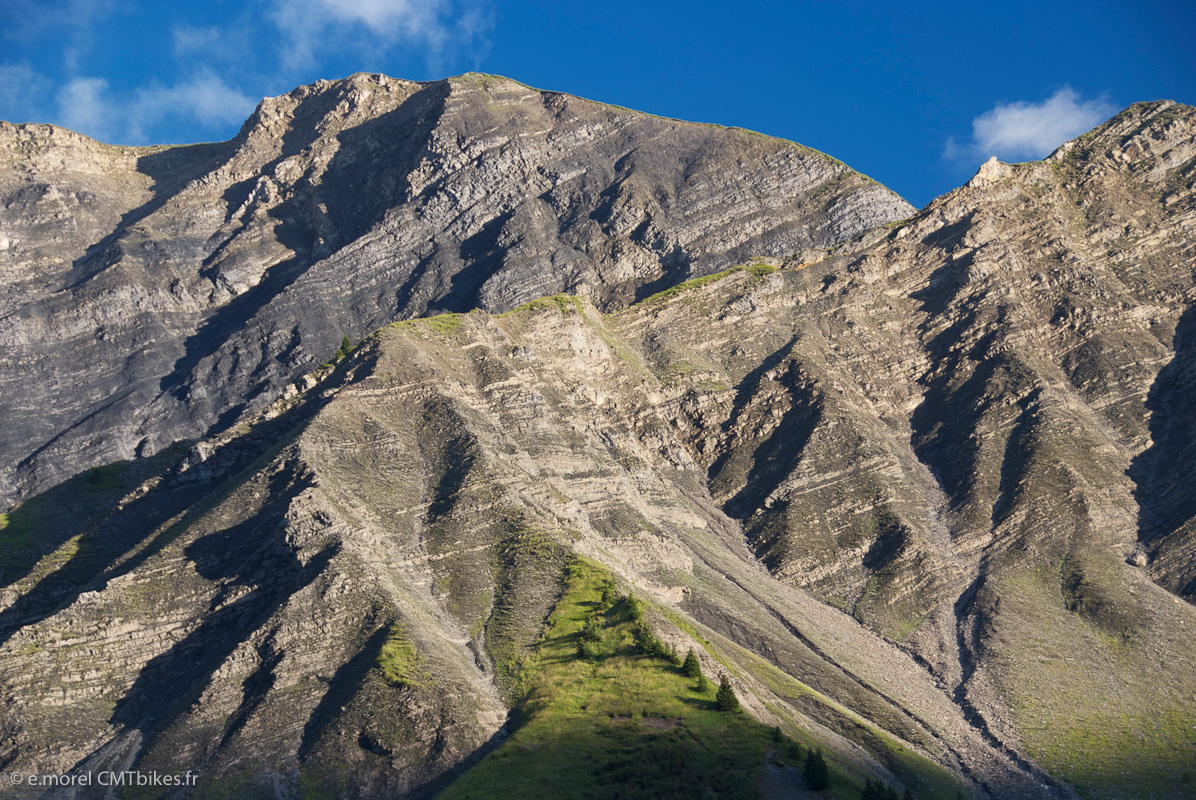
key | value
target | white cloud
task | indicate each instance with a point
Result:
(436, 26)
(388, 17)
(88, 106)
(1016, 131)
(24, 93)
(273, 44)
(189, 41)
(74, 21)
(84, 107)
(205, 99)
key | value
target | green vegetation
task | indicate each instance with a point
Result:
(445, 323)
(756, 269)
(105, 478)
(930, 780)
(449, 323)
(692, 667)
(16, 537)
(618, 345)
(481, 80)
(725, 698)
(1069, 635)
(399, 661)
(817, 774)
(880, 791)
(346, 347)
(616, 723)
(527, 557)
(564, 303)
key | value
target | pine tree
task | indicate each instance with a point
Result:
(816, 772)
(908, 794)
(345, 348)
(726, 699)
(692, 667)
(869, 792)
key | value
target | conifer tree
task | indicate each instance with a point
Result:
(692, 667)
(817, 774)
(726, 699)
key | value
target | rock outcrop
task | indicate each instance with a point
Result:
(157, 294)
(924, 495)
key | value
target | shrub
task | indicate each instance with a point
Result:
(635, 608)
(671, 654)
(610, 595)
(588, 650)
(103, 478)
(646, 641)
(591, 631)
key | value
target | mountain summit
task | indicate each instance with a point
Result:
(157, 294)
(914, 495)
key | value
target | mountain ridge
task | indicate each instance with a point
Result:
(921, 495)
(261, 233)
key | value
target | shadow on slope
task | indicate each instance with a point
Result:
(254, 554)
(170, 169)
(603, 719)
(1164, 474)
(93, 528)
(349, 198)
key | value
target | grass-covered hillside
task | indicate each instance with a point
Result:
(610, 712)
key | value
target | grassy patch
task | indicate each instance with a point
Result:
(564, 303)
(444, 323)
(16, 538)
(620, 348)
(399, 661)
(602, 719)
(105, 478)
(1139, 740)
(756, 270)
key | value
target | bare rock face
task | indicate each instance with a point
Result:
(925, 495)
(158, 294)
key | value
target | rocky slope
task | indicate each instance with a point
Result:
(923, 496)
(153, 295)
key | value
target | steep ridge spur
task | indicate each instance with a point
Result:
(431, 490)
(157, 294)
(990, 447)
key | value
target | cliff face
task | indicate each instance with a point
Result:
(157, 294)
(923, 496)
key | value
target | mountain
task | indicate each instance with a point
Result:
(919, 492)
(159, 294)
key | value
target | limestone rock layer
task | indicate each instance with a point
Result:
(157, 294)
(923, 494)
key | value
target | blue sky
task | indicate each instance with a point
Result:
(914, 94)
